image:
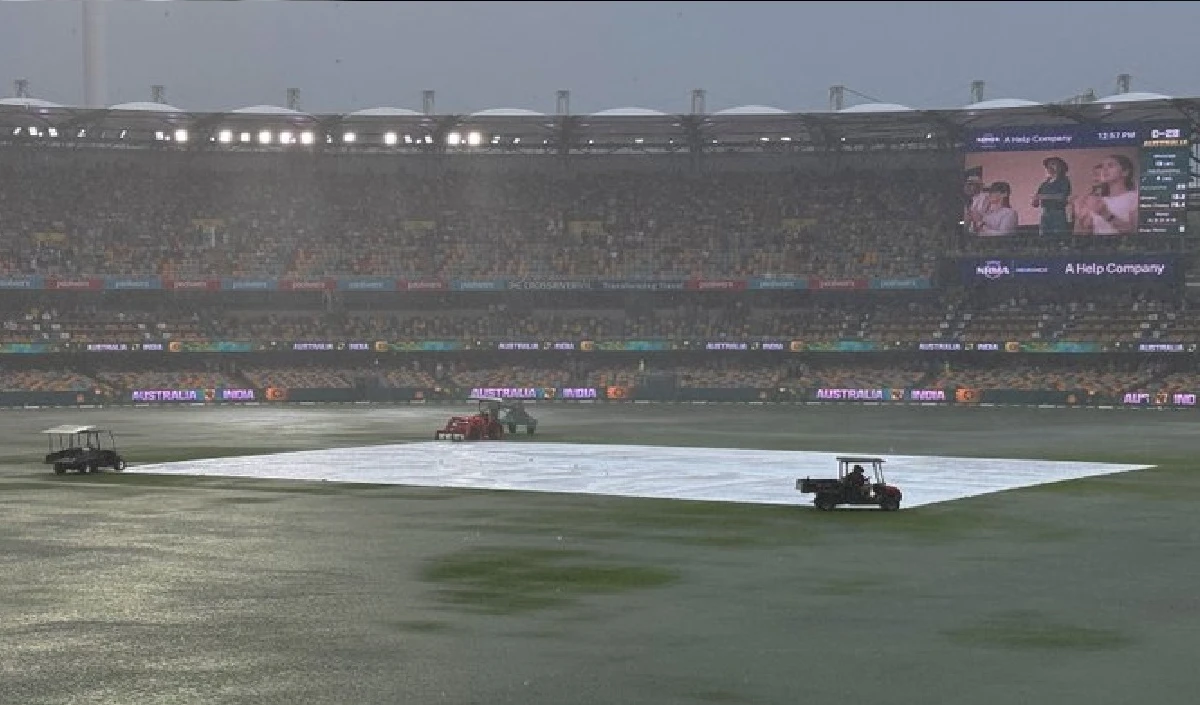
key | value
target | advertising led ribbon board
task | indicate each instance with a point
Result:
(1077, 180)
(1082, 269)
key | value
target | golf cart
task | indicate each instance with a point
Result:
(84, 449)
(853, 486)
(510, 414)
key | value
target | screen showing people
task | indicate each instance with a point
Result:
(1072, 181)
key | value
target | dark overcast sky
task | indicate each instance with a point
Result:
(348, 55)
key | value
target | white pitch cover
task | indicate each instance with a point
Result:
(709, 474)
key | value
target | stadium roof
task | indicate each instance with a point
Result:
(146, 107)
(859, 127)
(629, 112)
(384, 112)
(28, 103)
(266, 110)
(1001, 104)
(1132, 97)
(507, 112)
(752, 110)
(877, 108)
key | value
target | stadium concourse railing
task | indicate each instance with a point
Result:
(608, 394)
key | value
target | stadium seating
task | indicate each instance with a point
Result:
(162, 216)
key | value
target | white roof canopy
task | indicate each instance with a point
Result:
(72, 430)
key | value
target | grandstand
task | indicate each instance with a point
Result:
(776, 253)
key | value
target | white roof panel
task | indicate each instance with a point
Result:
(146, 107)
(629, 112)
(384, 112)
(71, 429)
(751, 110)
(1001, 103)
(1132, 97)
(507, 112)
(29, 103)
(266, 110)
(877, 108)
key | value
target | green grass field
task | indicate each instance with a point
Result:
(162, 589)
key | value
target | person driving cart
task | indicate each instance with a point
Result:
(857, 481)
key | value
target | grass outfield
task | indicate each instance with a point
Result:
(157, 589)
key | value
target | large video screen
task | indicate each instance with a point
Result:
(1077, 180)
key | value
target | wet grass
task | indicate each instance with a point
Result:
(1024, 630)
(421, 626)
(502, 581)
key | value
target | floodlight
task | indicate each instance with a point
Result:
(453, 139)
(286, 137)
(225, 136)
(181, 135)
(245, 137)
(264, 137)
(474, 138)
(389, 138)
(349, 137)
(306, 137)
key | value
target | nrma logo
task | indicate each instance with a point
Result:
(993, 269)
(987, 138)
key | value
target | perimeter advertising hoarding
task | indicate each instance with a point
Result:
(880, 394)
(1152, 268)
(1159, 399)
(192, 395)
(535, 392)
(1083, 180)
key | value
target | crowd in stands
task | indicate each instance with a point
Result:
(1104, 378)
(1104, 319)
(162, 215)
(45, 381)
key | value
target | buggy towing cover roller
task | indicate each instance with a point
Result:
(869, 490)
(84, 449)
(511, 414)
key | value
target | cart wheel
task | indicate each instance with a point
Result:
(825, 503)
(60, 469)
(119, 466)
(889, 504)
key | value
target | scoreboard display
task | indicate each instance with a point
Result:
(1165, 174)
(1116, 179)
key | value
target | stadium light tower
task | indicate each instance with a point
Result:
(837, 97)
(698, 96)
(293, 98)
(21, 88)
(976, 91)
(158, 94)
(1123, 81)
(427, 102)
(563, 106)
(95, 92)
